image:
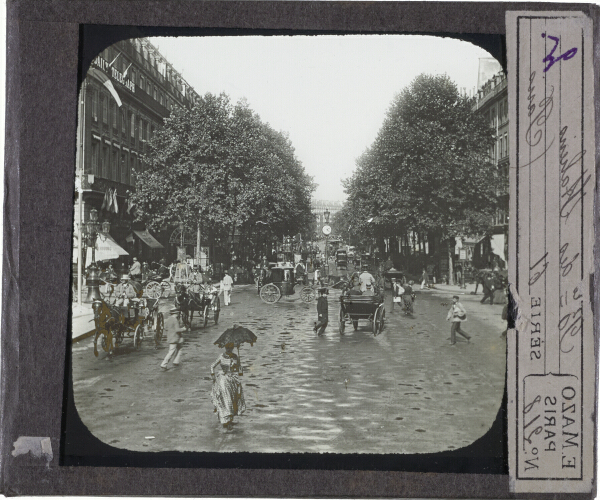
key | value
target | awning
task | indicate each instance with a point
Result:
(148, 239)
(497, 243)
(106, 249)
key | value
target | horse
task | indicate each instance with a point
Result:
(105, 318)
(188, 301)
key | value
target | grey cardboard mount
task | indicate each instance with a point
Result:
(43, 70)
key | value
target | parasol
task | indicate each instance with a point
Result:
(236, 336)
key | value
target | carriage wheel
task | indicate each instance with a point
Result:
(355, 324)
(217, 309)
(153, 290)
(165, 287)
(104, 339)
(205, 316)
(160, 327)
(375, 324)
(270, 293)
(382, 319)
(138, 335)
(342, 322)
(307, 294)
(377, 321)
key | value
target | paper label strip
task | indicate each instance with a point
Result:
(551, 383)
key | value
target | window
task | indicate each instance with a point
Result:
(123, 121)
(114, 167)
(104, 109)
(141, 130)
(154, 94)
(142, 82)
(95, 147)
(124, 169)
(505, 145)
(105, 162)
(147, 135)
(95, 105)
(113, 110)
(132, 170)
(149, 87)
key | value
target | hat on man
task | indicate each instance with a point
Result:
(324, 290)
(135, 259)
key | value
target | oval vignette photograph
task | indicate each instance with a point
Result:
(290, 244)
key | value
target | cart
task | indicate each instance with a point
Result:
(341, 259)
(190, 297)
(392, 273)
(116, 323)
(362, 307)
(279, 281)
(152, 318)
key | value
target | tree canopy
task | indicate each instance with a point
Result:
(428, 170)
(219, 166)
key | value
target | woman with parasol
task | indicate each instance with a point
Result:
(227, 394)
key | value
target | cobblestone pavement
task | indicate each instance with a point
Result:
(404, 391)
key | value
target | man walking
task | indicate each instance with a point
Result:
(174, 327)
(425, 279)
(488, 289)
(226, 287)
(397, 292)
(316, 275)
(457, 314)
(322, 312)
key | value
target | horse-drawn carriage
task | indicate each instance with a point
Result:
(190, 297)
(341, 259)
(279, 281)
(362, 307)
(114, 323)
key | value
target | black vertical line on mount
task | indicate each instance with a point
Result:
(582, 246)
(559, 184)
(517, 225)
(545, 206)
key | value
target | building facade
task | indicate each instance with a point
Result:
(492, 102)
(130, 88)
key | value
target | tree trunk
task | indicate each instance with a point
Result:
(450, 268)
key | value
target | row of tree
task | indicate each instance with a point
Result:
(219, 168)
(428, 171)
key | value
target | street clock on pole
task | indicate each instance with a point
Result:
(326, 230)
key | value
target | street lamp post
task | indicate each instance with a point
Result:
(92, 230)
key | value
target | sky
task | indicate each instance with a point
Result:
(329, 93)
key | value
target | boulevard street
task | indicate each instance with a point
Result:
(404, 391)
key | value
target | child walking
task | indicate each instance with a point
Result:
(457, 314)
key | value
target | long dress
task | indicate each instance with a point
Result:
(227, 394)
